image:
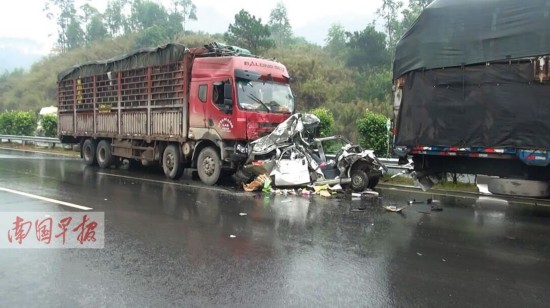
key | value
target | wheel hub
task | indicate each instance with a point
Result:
(208, 166)
(170, 161)
(357, 181)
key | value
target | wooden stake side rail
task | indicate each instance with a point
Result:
(144, 103)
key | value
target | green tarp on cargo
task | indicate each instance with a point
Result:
(470, 103)
(450, 33)
(144, 57)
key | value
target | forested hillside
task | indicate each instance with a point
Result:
(348, 75)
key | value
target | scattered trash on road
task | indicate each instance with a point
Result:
(258, 183)
(394, 208)
(435, 205)
(232, 236)
(242, 214)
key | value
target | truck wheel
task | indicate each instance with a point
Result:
(373, 182)
(104, 156)
(209, 166)
(88, 152)
(171, 162)
(359, 180)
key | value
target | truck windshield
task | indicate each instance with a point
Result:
(265, 96)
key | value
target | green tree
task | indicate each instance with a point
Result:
(389, 12)
(88, 12)
(279, 25)
(96, 29)
(374, 85)
(146, 14)
(249, 32)
(64, 13)
(19, 123)
(373, 132)
(186, 10)
(336, 40)
(367, 49)
(114, 17)
(327, 121)
(152, 36)
(75, 37)
(49, 125)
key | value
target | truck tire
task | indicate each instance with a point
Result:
(88, 152)
(104, 155)
(359, 180)
(209, 166)
(171, 162)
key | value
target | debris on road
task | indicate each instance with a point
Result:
(394, 208)
(242, 214)
(258, 183)
(435, 205)
(232, 236)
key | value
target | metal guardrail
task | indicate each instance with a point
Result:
(31, 139)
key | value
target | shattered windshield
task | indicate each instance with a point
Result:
(267, 96)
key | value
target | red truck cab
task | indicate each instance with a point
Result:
(238, 98)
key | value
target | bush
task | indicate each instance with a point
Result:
(49, 125)
(327, 121)
(373, 133)
(17, 123)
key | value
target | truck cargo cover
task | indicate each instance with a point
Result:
(144, 57)
(451, 33)
(500, 105)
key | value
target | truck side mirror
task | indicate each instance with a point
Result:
(228, 97)
(227, 91)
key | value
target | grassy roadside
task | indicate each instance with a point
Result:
(406, 180)
(35, 148)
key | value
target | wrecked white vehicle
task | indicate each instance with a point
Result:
(291, 157)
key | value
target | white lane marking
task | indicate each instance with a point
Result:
(165, 182)
(76, 206)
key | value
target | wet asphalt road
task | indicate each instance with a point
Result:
(168, 244)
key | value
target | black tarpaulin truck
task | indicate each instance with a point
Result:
(472, 90)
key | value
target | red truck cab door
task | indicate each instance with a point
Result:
(221, 111)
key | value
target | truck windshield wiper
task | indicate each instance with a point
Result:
(257, 100)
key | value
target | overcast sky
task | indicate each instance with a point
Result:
(23, 25)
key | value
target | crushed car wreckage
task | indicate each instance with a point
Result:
(291, 157)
